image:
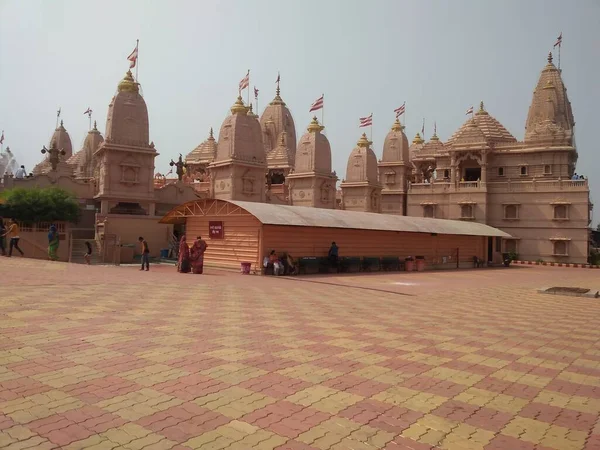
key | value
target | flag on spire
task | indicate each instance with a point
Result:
(58, 112)
(318, 104)
(2, 137)
(469, 111)
(245, 82)
(435, 128)
(132, 58)
(400, 111)
(423, 127)
(255, 93)
(88, 111)
(366, 121)
(558, 42)
(278, 78)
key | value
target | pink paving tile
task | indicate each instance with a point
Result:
(270, 363)
(489, 419)
(455, 410)
(21, 387)
(401, 443)
(99, 389)
(356, 385)
(275, 385)
(286, 419)
(540, 411)
(195, 426)
(119, 364)
(39, 365)
(186, 390)
(295, 445)
(469, 367)
(338, 364)
(5, 422)
(505, 387)
(392, 419)
(568, 388)
(405, 366)
(501, 442)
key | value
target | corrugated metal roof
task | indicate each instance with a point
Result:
(334, 218)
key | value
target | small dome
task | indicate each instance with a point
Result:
(416, 146)
(127, 119)
(62, 141)
(550, 108)
(205, 153)
(362, 163)
(240, 136)
(314, 152)
(280, 156)
(82, 161)
(434, 147)
(395, 145)
(277, 119)
(490, 130)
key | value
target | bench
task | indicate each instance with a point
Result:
(309, 264)
(389, 263)
(350, 264)
(371, 264)
(477, 262)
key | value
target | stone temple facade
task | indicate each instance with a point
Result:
(481, 173)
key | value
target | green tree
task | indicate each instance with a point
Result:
(39, 205)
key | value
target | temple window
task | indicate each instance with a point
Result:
(466, 211)
(547, 169)
(390, 177)
(446, 173)
(560, 248)
(523, 170)
(500, 171)
(561, 212)
(129, 174)
(510, 246)
(511, 212)
(428, 211)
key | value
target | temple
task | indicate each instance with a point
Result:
(482, 173)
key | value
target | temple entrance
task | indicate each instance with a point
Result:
(490, 251)
(472, 174)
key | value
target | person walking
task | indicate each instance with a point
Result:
(88, 254)
(13, 235)
(53, 243)
(2, 231)
(145, 254)
(197, 255)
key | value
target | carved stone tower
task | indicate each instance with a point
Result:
(124, 162)
(312, 183)
(238, 171)
(361, 190)
(394, 171)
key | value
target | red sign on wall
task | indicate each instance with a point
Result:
(215, 230)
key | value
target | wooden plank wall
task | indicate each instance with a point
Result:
(240, 243)
(313, 241)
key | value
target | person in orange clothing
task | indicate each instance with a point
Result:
(13, 235)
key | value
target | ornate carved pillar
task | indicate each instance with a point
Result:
(453, 169)
(484, 167)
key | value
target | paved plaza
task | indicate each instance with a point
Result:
(111, 357)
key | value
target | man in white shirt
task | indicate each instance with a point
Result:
(20, 173)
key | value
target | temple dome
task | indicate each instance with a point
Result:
(433, 147)
(395, 145)
(314, 152)
(362, 163)
(550, 110)
(489, 130)
(82, 161)
(61, 140)
(127, 120)
(240, 137)
(204, 153)
(416, 146)
(275, 120)
(281, 156)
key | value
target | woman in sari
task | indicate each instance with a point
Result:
(53, 243)
(183, 261)
(197, 255)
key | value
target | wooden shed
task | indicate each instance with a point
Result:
(239, 231)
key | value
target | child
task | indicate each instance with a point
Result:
(88, 255)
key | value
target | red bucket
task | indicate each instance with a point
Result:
(245, 269)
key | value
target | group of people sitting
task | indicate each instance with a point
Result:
(191, 259)
(286, 265)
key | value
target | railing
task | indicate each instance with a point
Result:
(539, 186)
(501, 186)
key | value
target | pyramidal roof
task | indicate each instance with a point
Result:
(205, 152)
(488, 129)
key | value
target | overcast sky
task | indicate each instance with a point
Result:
(366, 56)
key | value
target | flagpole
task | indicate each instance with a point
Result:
(248, 86)
(137, 59)
(90, 120)
(371, 137)
(559, 46)
(323, 111)
(57, 117)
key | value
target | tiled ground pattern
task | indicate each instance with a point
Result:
(104, 358)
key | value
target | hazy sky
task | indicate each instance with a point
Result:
(366, 56)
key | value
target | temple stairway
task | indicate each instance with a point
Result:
(79, 249)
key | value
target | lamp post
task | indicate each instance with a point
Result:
(53, 154)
